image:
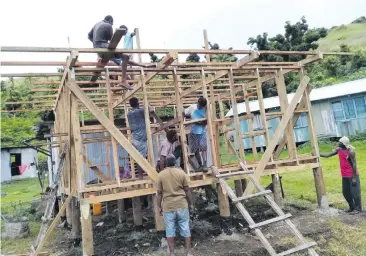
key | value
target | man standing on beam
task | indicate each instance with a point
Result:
(100, 35)
(197, 139)
(136, 120)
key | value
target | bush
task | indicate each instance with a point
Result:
(358, 136)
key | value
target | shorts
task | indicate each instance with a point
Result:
(141, 147)
(197, 142)
(116, 58)
(176, 218)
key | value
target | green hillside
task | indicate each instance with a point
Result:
(353, 35)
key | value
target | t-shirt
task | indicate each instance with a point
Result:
(128, 41)
(136, 119)
(171, 181)
(346, 168)
(196, 114)
(167, 148)
(100, 34)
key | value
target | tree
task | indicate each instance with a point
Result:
(297, 37)
(221, 57)
(193, 57)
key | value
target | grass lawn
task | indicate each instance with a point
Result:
(21, 192)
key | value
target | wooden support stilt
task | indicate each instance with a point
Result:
(121, 210)
(75, 229)
(136, 210)
(68, 211)
(223, 198)
(86, 227)
(318, 172)
(277, 191)
(238, 188)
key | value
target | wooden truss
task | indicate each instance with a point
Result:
(219, 83)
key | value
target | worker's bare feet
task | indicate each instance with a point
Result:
(189, 254)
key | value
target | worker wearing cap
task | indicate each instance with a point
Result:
(174, 196)
(351, 187)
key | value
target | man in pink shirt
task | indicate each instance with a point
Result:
(168, 147)
(351, 187)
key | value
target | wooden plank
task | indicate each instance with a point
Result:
(236, 117)
(182, 131)
(317, 172)
(92, 166)
(209, 118)
(53, 224)
(165, 62)
(283, 98)
(165, 125)
(241, 62)
(73, 57)
(121, 195)
(113, 140)
(227, 175)
(250, 123)
(113, 130)
(77, 143)
(262, 193)
(276, 136)
(297, 249)
(270, 221)
(86, 228)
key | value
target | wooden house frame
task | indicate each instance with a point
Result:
(218, 82)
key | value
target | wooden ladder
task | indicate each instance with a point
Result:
(256, 226)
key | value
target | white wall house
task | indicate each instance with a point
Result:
(14, 157)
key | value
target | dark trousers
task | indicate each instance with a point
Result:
(352, 193)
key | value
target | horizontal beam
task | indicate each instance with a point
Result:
(112, 64)
(159, 51)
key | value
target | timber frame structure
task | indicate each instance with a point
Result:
(218, 82)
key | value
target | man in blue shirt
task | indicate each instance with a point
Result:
(136, 120)
(197, 139)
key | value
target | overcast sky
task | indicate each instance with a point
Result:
(162, 24)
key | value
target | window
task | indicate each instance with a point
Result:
(360, 107)
(16, 161)
(338, 111)
(349, 109)
(301, 122)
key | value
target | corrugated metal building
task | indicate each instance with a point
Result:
(338, 110)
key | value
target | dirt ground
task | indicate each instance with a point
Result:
(208, 238)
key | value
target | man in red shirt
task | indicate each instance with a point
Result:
(351, 187)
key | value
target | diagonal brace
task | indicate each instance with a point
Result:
(277, 135)
(112, 129)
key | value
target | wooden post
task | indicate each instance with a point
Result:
(132, 162)
(317, 172)
(75, 229)
(250, 124)
(159, 222)
(289, 131)
(87, 229)
(223, 198)
(111, 118)
(209, 110)
(136, 210)
(236, 116)
(238, 188)
(121, 210)
(182, 130)
(68, 211)
(277, 192)
(222, 116)
(76, 135)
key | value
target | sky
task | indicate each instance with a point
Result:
(163, 24)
